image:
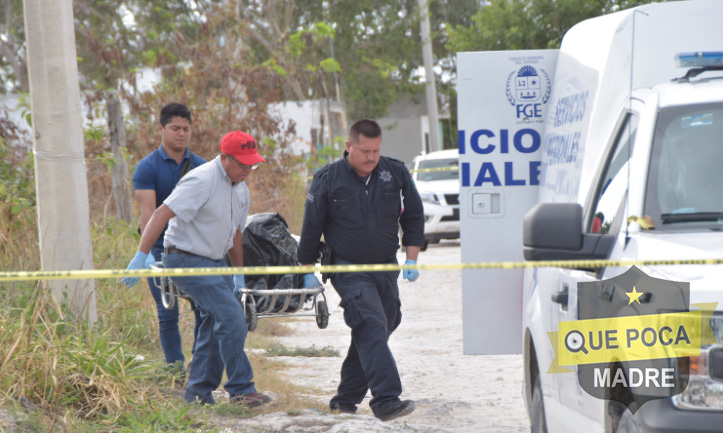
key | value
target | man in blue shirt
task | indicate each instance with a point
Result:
(358, 204)
(155, 177)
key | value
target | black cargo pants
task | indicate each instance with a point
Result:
(372, 310)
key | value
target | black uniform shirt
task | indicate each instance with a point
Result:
(360, 220)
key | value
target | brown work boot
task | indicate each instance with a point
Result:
(253, 399)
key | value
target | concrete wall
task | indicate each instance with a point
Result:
(403, 130)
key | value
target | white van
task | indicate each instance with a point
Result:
(639, 179)
(438, 185)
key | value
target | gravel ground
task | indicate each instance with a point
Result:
(454, 392)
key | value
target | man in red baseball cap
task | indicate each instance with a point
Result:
(206, 215)
(242, 146)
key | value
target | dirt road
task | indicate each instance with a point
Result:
(454, 392)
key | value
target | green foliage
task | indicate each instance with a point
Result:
(17, 207)
(24, 107)
(108, 160)
(527, 24)
(296, 45)
(322, 30)
(330, 65)
(228, 409)
(13, 69)
(270, 144)
(329, 153)
(95, 133)
(274, 66)
(114, 243)
(160, 417)
(16, 182)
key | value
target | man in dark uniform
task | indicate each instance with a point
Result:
(358, 203)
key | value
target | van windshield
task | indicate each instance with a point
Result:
(685, 182)
(449, 165)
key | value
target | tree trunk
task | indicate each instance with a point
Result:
(117, 133)
(60, 174)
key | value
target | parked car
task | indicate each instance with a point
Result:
(440, 194)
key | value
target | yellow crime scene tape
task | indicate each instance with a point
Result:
(267, 270)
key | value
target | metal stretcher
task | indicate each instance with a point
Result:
(272, 308)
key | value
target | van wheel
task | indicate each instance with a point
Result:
(424, 245)
(537, 409)
(627, 424)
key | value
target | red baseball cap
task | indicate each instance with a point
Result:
(242, 146)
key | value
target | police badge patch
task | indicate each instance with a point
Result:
(385, 176)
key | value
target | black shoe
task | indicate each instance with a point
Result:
(395, 409)
(343, 408)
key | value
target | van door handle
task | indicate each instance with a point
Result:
(560, 297)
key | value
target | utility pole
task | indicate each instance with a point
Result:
(60, 173)
(431, 84)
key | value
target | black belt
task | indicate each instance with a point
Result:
(174, 250)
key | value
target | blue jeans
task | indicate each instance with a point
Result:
(222, 334)
(372, 310)
(168, 321)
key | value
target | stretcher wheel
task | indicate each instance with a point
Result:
(322, 315)
(168, 293)
(252, 317)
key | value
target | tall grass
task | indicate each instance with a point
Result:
(85, 378)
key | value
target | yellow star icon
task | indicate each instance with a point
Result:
(634, 296)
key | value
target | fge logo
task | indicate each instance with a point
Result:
(527, 90)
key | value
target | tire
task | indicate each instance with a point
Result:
(424, 246)
(322, 315)
(537, 409)
(252, 318)
(626, 423)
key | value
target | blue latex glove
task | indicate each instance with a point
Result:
(239, 282)
(410, 274)
(310, 281)
(140, 261)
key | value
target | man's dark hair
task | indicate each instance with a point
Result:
(174, 109)
(365, 127)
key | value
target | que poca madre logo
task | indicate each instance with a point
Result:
(634, 338)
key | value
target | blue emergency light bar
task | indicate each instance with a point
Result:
(699, 59)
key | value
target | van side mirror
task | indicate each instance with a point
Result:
(553, 231)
